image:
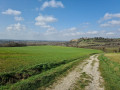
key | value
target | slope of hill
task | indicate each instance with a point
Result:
(105, 44)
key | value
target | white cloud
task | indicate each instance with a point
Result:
(19, 18)
(92, 32)
(73, 34)
(11, 12)
(52, 3)
(50, 31)
(110, 16)
(16, 27)
(110, 33)
(54, 34)
(86, 23)
(72, 29)
(43, 21)
(104, 25)
(111, 23)
(110, 20)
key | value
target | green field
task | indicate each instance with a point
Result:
(13, 59)
(110, 69)
(26, 66)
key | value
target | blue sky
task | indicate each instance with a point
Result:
(59, 19)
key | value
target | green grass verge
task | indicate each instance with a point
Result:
(110, 71)
(42, 80)
(13, 77)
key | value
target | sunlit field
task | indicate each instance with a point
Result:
(15, 58)
(26, 65)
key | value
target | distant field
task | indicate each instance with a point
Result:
(15, 58)
(110, 68)
(32, 64)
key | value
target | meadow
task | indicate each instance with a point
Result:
(32, 67)
(110, 69)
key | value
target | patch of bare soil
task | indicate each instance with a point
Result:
(92, 69)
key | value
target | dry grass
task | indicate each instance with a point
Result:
(114, 57)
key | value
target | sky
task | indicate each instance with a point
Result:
(59, 19)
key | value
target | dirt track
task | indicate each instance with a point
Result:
(88, 71)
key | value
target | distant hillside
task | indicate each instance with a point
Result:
(96, 43)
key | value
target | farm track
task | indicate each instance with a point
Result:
(89, 68)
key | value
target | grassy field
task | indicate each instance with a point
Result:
(24, 67)
(110, 69)
(13, 59)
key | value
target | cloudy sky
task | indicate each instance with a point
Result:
(59, 19)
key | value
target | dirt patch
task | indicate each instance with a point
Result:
(82, 82)
(96, 83)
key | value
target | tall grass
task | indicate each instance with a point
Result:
(111, 73)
